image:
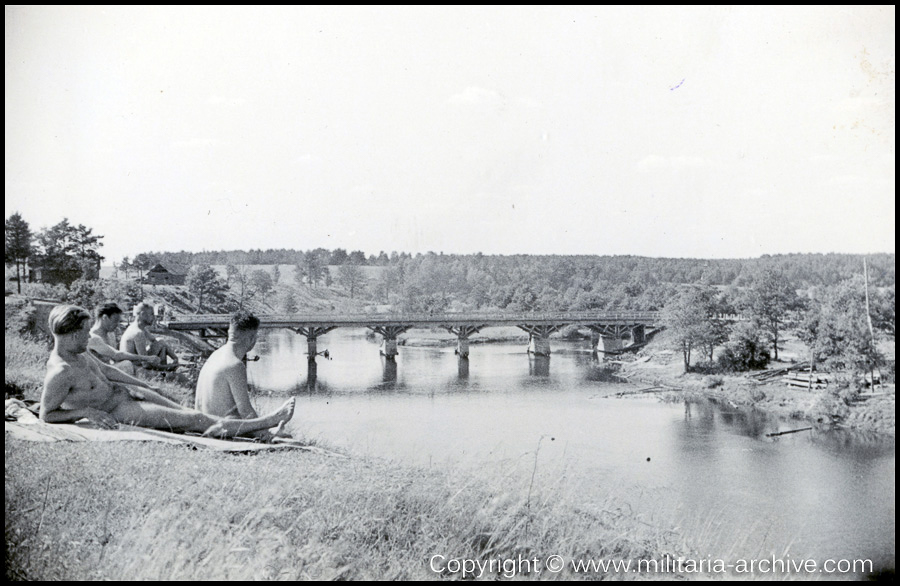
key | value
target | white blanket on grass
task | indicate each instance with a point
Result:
(28, 427)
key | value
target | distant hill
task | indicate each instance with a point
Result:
(286, 272)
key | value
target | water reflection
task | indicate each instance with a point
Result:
(312, 370)
(463, 368)
(538, 366)
(389, 366)
(711, 468)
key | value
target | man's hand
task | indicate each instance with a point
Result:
(136, 394)
(101, 418)
(154, 360)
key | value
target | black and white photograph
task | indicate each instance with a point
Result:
(450, 292)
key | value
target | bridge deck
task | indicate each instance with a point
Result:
(625, 318)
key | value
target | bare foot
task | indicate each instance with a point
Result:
(285, 412)
(279, 431)
(217, 430)
(234, 427)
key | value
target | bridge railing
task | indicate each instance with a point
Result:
(473, 317)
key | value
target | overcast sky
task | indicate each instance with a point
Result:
(667, 132)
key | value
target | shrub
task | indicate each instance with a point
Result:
(705, 367)
(744, 351)
(711, 382)
(91, 293)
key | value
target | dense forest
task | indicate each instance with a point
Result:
(825, 298)
(433, 281)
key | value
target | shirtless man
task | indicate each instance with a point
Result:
(78, 386)
(103, 342)
(222, 387)
(137, 338)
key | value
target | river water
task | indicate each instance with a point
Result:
(710, 472)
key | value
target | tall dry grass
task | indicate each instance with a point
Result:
(148, 511)
(26, 364)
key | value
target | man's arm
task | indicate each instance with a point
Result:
(56, 387)
(106, 351)
(240, 390)
(115, 375)
(171, 354)
(147, 392)
(126, 343)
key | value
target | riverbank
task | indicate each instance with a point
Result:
(661, 371)
(149, 511)
(438, 338)
(123, 510)
(661, 368)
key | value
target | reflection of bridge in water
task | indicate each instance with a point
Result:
(608, 328)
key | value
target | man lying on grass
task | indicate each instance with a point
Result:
(222, 388)
(78, 386)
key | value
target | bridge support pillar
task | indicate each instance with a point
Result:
(608, 338)
(312, 334)
(611, 344)
(638, 335)
(462, 335)
(539, 346)
(389, 335)
(539, 338)
(389, 347)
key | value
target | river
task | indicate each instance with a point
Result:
(708, 471)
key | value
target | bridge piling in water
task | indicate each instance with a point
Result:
(610, 336)
(608, 328)
(312, 333)
(539, 337)
(389, 334)
(638, 335)
(462, 337)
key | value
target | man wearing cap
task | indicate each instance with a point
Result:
(78, 386)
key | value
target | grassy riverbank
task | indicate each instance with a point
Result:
(149, 511)
(658, 365)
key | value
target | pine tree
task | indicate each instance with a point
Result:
(18, 247)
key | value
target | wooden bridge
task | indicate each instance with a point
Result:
(609, 326)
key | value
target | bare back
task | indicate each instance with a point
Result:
(222, 386)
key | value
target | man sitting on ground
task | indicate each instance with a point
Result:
(78, 386)
(137, 338)
(103, 341)
(222, 387)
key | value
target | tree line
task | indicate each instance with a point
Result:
(840, 324)
(817, 295)
(803, 270)
(63, 252)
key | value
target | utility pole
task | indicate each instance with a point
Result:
(869, 319)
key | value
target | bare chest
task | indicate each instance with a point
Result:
(89, 391)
